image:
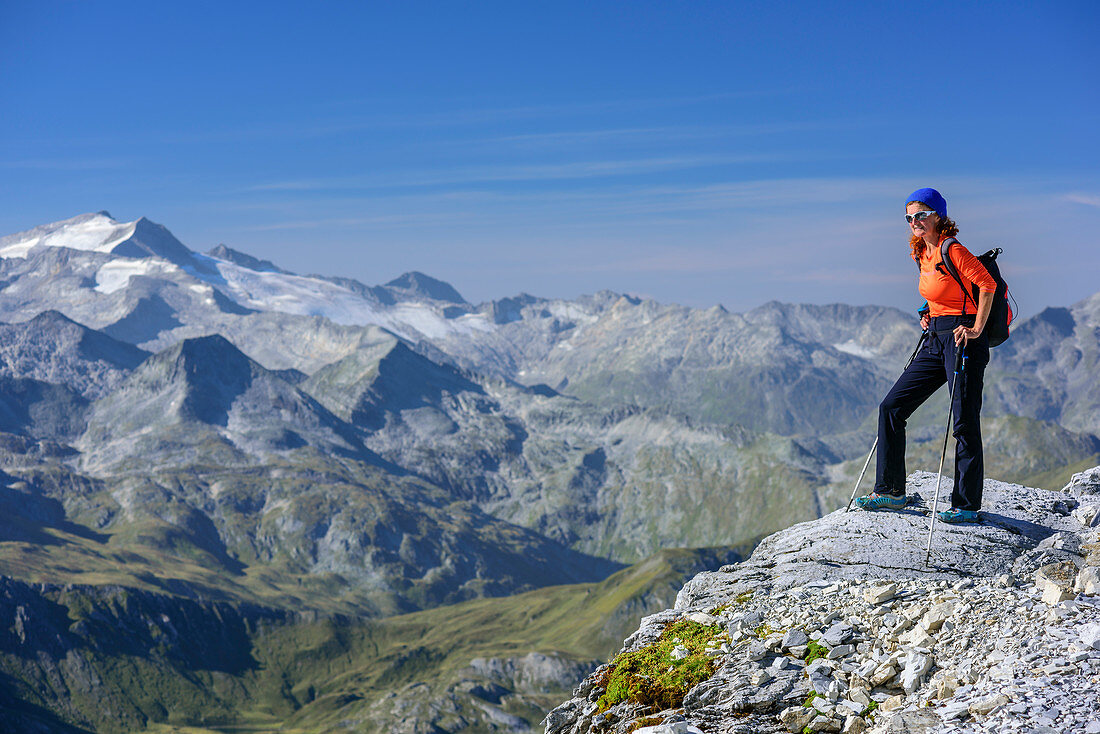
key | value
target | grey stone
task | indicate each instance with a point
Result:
(837, 634)
(756, 651)
(795, 637)
(795, 718)
(910, 722)
(854, 725)
(840, 651)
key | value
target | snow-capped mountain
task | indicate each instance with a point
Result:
(781, 368)
(116, 259)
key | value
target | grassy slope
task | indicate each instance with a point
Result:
(345, 669)
(310, 675)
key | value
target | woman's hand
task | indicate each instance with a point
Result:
(924, 322)
(964, 334)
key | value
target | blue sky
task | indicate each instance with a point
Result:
(694, 152)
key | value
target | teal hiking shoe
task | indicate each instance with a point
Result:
(957, 516)
(876, 501)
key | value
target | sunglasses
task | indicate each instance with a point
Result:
(918, 216)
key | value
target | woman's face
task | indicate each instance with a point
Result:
(923, 228)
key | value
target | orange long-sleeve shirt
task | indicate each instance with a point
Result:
(943, 294)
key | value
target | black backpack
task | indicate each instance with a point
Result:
(1000, 315)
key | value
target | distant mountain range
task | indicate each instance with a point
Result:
(215, 427)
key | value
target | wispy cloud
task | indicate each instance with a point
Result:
(664, 134)
(398, 220)
(515, 173)
(1086, 199)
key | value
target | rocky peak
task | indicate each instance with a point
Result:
(222, 252)
(840, 624)
(150, 239)
(54, 348)
(388, 377)
(415, 286)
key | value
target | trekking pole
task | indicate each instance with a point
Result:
(920, 341)
(960, 363)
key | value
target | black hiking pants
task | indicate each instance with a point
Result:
(934, 366)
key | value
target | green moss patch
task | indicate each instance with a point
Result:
(650, 676)
(814, 651)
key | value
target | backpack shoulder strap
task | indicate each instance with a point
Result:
(944, 247)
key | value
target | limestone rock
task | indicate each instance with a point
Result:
(916, 665)
(988, 704)
(1090, 636)
(936, 616)
(880, 594)
(892, 703)
(910, 722)
(1087, 514)
(677, 727)
(884, 674)
(854, 725)
(825, 723)
(1088, 580)
(838, 634)
(1056, 581)
(795, 718)
(796, 637)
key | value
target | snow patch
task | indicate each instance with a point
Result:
(854, 348)
(566, 311)
(305, 296)
(97, 234)
(115, 275)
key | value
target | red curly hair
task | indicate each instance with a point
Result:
(945, 226)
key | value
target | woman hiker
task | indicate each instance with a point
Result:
(949, 325)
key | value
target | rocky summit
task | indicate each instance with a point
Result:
(842, 625)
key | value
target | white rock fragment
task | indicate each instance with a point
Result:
(1089, 636)
(879, 594)
(1055, 581)
(916, 665)
(1088, 580)
(986, 705)
(825, 723)
(670, 727)
(918, 637)
(796, 718)
(861, 696)
(838, 634)
(883, 674)
(1087, 515)
(893, 702)
(760, 677)
(936, 616)
(853, 725)
(955, 710)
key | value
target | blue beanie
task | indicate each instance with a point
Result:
(932, 198)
